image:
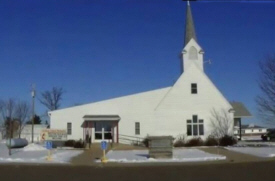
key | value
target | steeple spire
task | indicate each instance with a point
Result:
(189, 26)
(192, 53)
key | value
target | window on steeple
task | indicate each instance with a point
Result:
(193, 53)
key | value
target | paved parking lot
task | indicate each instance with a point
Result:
(252, 171)
(238, 166)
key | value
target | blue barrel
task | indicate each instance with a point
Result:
(17, 143)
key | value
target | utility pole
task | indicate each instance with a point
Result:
(10, 128)
(33, 99)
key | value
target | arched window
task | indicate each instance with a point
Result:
(193, 53)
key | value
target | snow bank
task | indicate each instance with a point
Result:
(179, 155)
(34, 153)
(266, 152)
(34, 147)
(254, 144)
(65, 156)
(3, 141)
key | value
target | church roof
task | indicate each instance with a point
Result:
(101, 117)
(240, 110)
(189, 26)
(251, 126)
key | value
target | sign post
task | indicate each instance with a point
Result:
(49, 146)
(104, 146)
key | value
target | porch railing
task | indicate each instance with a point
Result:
(132, 140)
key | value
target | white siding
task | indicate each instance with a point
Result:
(160, 112)
(131, 109)
(255, 131)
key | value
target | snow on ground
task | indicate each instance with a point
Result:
(34, 153)
(2, 141)
(256, 151)
(179, 155)
(34, 147)
(254, 144)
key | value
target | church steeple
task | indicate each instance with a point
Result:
(192, 53)
(189, 26)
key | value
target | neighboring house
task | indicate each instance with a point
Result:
(181, 109)
(250, 132)
(27, 132)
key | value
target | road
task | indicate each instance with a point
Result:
(262, 170)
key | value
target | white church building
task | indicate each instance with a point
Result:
(181, 109)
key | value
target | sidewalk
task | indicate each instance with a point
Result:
(90, 155)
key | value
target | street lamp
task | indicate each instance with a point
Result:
(10, 129)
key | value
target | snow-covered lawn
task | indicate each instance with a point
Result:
(34, 153)
(254, 144)
(256, 151)
(179, 155)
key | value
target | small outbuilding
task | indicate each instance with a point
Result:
(240, 112)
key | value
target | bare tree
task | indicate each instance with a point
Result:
(8, 108)
(8, 115)
(2, 105)
(266, 100)
(51, 99)
(22, 113)
(221, 123)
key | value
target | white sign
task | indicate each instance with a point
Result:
(53, 134)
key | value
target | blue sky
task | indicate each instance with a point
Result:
(98, 50)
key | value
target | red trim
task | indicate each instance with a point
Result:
(92, 124)
(83, 133)
(113, 132)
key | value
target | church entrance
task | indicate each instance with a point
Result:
(100, 128)
(103, 130)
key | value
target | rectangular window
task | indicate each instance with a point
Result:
(69, 128)
(195, 127)
(98, 130)
(260, 130)
(137, 128)
(189, 130)
(194, 89)
(195, 118)
(195, 130)
(201, 129)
